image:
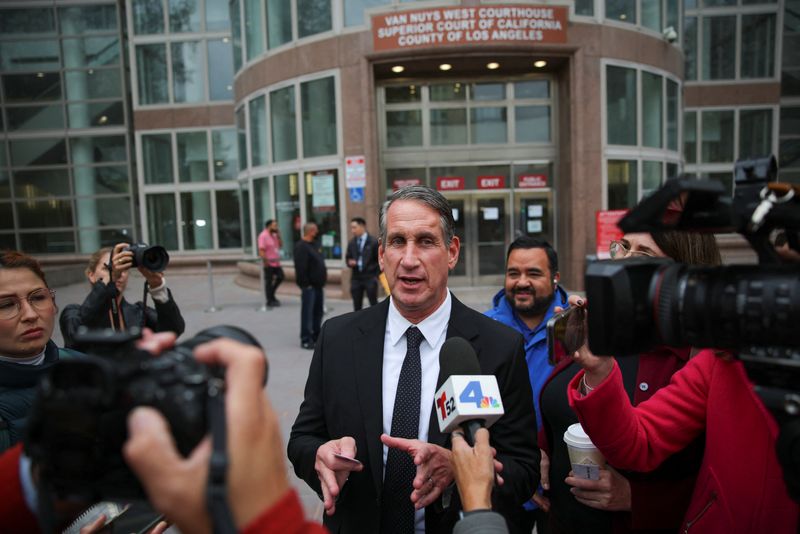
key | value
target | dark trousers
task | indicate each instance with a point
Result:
(273, 276)
(311, 301)
(358, 286)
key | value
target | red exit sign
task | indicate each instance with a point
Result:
(491, 182)
(449, 183)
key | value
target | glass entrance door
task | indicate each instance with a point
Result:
(482, 225)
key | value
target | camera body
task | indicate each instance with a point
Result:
(154, 258)
(78, 423)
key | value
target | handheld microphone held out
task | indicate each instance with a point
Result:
(467, 398)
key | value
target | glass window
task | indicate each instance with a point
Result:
(673, 13)
(584, 7)
(39, 56)
(313, 17)
(690, 136)
(41, 183)
(651, 176)
(8, 241)
(755, 133)
(690, 47)
(652, 109)
(354, 10)
(258, 131)
(224, 146)
(45, 151)
(96, 114)
(402, 94)
(44, 213)
(253, 28)
(229, 227)
(196, 214)
(49, 242)
(488, 125)
(86, 19)
(5, 185)
(532, 124)
(717, 138)
(162, 221)
(719, 48)
(261, 202)
(318, 105)
(758, 54)
(651, 14)
(244, 210)
(102, 180)
(220, 67)
(447, 92)
(192, 156)
(188, 73)
(91, 52)
(287, 208)
(217, 15)
(622, 178)
(283, 124)
(93, 83)
(29, 118)
(113, 211)
(6, 219)
(279, 22)
(532, 89)
(672, 170)
(28, 20)
(404, 128)
(241, 138)
(322, 207)
(672, 115)
(148, 17)
(789, 123)
(151, 70)
(236, 35)
(184, 15)
(102, 148)
(621, 10)
(487, 91)
(449, 126)
(39, 87)
(157, 156)
(621, 105)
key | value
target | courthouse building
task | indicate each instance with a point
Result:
(190, 122)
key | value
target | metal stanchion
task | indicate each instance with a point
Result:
(263, 284)
(212, 301)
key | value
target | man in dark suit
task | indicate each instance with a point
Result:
(362, 258)
(374, 374)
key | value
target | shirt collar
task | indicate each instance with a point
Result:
(432, 327)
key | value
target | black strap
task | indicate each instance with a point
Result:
(144, 305)
(115, 322)
(217, 490)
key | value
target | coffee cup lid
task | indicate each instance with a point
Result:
(576, 437)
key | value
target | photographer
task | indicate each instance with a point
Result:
(740, 486)
(106, 307)
(622, 502)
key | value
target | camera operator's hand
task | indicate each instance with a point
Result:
(596, 368)
(473, 469)
(257, 472)
(611, 493)
(122, 260)
(154, 279)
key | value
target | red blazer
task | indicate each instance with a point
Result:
(284, 517)
(14, 513)
(740, 487)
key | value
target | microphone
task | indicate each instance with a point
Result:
(467, 398)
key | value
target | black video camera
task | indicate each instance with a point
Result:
(751, 310)
(154, 258)
(78, 422)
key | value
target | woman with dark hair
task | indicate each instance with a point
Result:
(622, 501)
(27, 317)
(106, 307)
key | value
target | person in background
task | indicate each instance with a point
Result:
(269, 249)
(97, 310)
(622, 501)
(310, 274)
(362, 258)
(526, 303)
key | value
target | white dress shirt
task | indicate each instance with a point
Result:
(434, 330)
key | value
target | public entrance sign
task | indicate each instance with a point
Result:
(532, 181)
(513, 23)
(491, 182)
(449, 183)
(404, 182)
(607, 230)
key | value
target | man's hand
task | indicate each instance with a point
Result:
(473, 469)
(544, 470)
(351, 262)
(434, 471)
(333, 472)
(256, 473)
(612, 492)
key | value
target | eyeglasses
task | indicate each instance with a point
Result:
(618, 250)
(41, 300)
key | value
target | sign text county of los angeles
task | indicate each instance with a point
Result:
(464, 25)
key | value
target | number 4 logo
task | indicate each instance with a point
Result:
(472, 393)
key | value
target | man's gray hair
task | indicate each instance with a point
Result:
(431, 198)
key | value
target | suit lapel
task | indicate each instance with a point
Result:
(367, 354)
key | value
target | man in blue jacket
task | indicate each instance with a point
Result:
(526, 303)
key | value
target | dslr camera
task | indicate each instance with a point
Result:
(751, 310)
(78, 422)
(154, 258)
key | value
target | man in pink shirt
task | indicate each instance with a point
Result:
(269, 248)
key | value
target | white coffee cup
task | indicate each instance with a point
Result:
(585, 458)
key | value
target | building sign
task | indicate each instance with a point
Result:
(449, 183)
(355, 174)
(323, 197)
(405, 182)
(606, 230)
(466, 25)
(532, 181)
(491, 182)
